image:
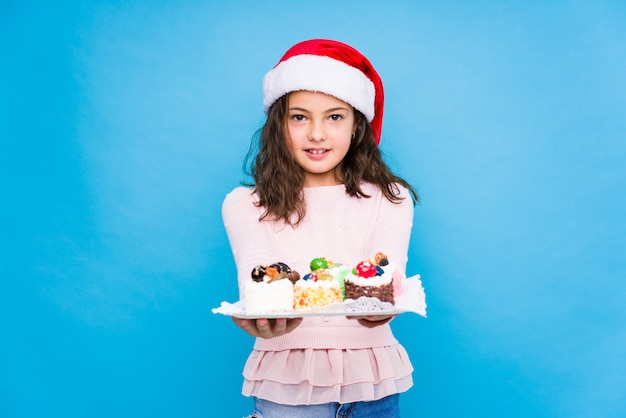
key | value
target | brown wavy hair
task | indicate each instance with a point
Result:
(278, 179)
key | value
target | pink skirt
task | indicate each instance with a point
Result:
(317, 376)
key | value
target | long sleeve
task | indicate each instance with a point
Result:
(392, 230)
(249, 239)
(325, 359)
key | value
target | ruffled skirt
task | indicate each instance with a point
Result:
(316, 376)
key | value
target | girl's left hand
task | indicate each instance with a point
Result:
(372, 321)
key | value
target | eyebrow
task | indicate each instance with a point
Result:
(334, 109)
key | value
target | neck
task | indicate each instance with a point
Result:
(327, 179)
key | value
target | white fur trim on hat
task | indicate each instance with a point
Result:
(320, 74)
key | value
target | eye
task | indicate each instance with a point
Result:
(336, 117)
(297, 117)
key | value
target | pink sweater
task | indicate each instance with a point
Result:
(325, 359)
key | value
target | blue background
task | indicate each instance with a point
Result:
(123, 124)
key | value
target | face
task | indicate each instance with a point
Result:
(319, 131)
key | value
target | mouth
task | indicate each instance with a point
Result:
(316, 151)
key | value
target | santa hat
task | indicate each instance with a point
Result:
(329, 67)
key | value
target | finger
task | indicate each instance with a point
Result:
(366, 323)
(239, 321)
(293, 324)
(374, 321)
(280, 326)
(247, 325)
(369, 317)
(264, 328)
(375, 318)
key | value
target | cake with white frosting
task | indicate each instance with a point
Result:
(270, 288)
(372, 278)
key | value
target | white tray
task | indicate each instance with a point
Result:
(412, 299)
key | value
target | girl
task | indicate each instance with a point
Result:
(321, 188)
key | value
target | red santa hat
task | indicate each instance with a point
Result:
(329, 67)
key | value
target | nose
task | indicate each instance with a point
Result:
(317, 130)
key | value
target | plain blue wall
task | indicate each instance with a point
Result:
(123, 124)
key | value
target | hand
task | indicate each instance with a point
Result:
(372, 321)
(267, 328)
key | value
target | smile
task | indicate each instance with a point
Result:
(317, 151)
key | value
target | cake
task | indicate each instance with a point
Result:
(322, 286)
(372, 278)
(278, 288)
(270, 288)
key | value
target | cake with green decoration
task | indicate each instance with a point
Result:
(322, 286)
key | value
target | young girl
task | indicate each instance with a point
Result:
(321, 189)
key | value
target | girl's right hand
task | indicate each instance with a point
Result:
(267, 328)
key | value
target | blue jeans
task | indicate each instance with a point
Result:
(387, 407)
